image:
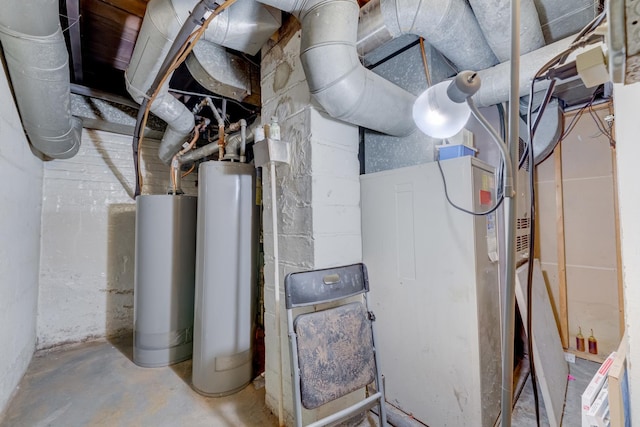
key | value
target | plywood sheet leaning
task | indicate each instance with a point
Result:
(551, 367)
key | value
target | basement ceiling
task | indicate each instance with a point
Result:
(101, 35)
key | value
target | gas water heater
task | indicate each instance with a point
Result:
(225, 277)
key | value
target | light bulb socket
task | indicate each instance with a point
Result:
(465, 85)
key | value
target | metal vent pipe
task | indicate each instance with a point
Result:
(162, 22)
(495, 80)
(336, 78)
(448, 25)
(38, 64)
(493, 18)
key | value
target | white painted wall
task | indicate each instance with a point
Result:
(628, 153)
(88, 238)
(589, 229)
(318, 198)
(20, 207)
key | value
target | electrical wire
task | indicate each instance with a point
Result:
(446, 194)
(532, 127)
(574, 121)
(532, 208)
(602, 126)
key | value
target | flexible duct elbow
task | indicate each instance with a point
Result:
(336, 78)
(38, 64)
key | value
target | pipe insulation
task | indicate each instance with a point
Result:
(38, 64)
(495, 80)
(493, 17)
(336, 78)
(162, 23)
(448, 25)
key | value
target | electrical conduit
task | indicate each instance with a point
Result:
(493, 18)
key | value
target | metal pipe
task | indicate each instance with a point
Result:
(448, 25)
(496, 81)
(161, 37)
(245, 27)
(508, 317)
(208, 101)
(492, 17)
(38, 64)
(166, 26)
(199, 153)
(337, 80)
(232, 143)
(243, 140)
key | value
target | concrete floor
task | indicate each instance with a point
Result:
(97, 384)
(524, 411)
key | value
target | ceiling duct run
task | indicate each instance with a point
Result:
(494, 19)
(38, 63)
(245, 25)
(337, 80)
(448, 25)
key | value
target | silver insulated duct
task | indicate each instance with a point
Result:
(160, 26)
(448, 25)
(494, 20)
(337, 80)
(38, 64)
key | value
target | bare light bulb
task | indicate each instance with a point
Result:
(437, 115)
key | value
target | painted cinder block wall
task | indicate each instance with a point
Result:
(20, 207)
(88, 238)
(318, 198)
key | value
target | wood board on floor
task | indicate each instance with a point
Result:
(551, 368)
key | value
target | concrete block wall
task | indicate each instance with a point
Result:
(318, 201)
(20, 206)
(88, 238)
